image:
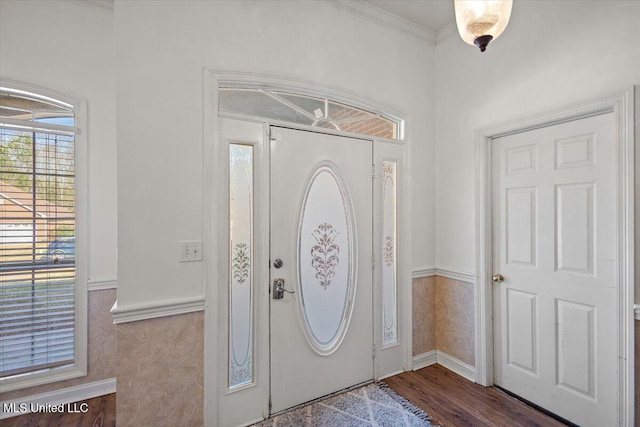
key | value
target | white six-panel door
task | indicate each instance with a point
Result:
(555, 244)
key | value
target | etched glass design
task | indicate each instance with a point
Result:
(240, 256)
(326, 260)
(389, 259)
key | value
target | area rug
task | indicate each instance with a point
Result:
(371, 405)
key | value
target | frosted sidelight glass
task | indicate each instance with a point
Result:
(326, 262)
(389, 258)
(240, 256)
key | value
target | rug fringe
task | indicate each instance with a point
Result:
(406, 405)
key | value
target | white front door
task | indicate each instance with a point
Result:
(321, 249)
(555, 226)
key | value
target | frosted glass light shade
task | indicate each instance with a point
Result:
(480, 21)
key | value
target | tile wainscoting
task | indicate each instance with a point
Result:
(161, 361)
(443, 317)
(161, 371)
(424, 315)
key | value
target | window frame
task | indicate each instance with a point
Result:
(79, 367)
(273, 90)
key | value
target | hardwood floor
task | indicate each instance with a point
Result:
(450, 399)
(454, 401)
(101, 412)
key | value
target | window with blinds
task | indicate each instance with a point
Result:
(37, 233)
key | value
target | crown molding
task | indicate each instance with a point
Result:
(381, 17)
(106, 5)
(449, 30)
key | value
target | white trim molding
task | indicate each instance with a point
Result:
(621, 104)
(456, 275)
(218, 131)
(425, 359)
(81, 149)
(135, 312)
(102, 284)
(455, 365)
(441, 358)
(449, 30)
(371, 13)
(449, 274)
(63, 396)
(636, 311)
(105, 5)
(423, 272)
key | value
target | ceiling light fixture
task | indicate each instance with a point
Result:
(480, 21)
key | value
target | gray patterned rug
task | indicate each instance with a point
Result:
(371, 405)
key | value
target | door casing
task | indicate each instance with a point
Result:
(621, 104)
(388, 360)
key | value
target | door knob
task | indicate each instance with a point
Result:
(498, 278)
(279, 290)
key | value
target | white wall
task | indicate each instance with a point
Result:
(553, 53)
(161, 48)
(69, 47)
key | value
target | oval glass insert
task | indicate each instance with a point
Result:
(326, 260)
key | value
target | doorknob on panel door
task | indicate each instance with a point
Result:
(498, 278)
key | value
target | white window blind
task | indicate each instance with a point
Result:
(37, 233)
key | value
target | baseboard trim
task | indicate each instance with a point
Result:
(456, 366)
(102, 284)
(441, 358)
(425, 359)
(135, 313)
(64, 396)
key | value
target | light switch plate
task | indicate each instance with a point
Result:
(190, 250)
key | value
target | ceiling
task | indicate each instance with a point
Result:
(431, 14)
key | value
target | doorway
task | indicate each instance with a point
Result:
(555, 305)
(558, 233)
(242, 160)
(321, 318)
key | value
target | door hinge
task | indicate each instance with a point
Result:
(373, 171)
(373, 351)
(373, 261)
